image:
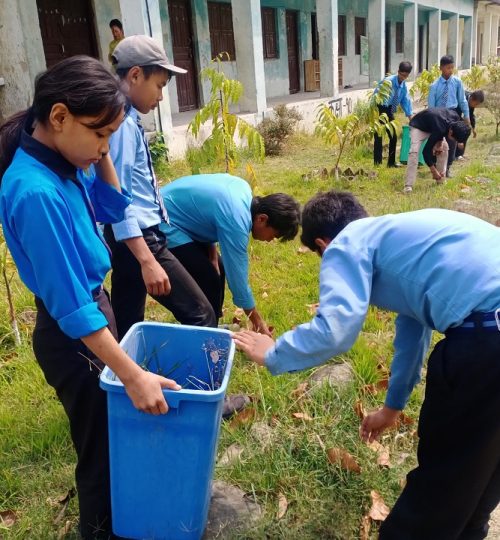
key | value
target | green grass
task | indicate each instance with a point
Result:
(36, 456)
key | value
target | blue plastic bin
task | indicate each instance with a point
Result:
(162, 466)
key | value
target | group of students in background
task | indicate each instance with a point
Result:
(78, 156)
(443, 127)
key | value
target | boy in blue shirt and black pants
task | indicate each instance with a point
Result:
(413, 264)
(399, 96)
(141, 260)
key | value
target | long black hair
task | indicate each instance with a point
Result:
(81, 83)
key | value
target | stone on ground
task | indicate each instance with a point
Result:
(230, 510)
(494, 532)
(337, 375)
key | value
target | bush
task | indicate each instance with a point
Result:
(158, 148)
(492, 102)
(493, 69)
(276, 130)
(420, 89)
(475, 78)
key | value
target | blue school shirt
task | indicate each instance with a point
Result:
(455, 98)
(214, 208)
(49, 210)
(130, 155)
(403, 98)
(432, 267)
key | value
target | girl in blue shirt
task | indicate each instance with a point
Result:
(56, 181)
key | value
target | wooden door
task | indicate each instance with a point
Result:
(387, 47)
(293, 51)
(67, 28)
(182, 46)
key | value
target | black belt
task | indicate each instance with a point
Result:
(488, 321)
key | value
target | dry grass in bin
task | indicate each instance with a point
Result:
(216, 359)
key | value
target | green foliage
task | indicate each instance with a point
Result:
(158, 148)
(492, 102)
(475, 78)
(276, 130)
(349, 131)
(420, 89)
(493, 69)
(221, 146)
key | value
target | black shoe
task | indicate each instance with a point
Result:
(233, 404)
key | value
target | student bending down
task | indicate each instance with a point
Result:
(207, 209)
(413, 264)
(434, 126)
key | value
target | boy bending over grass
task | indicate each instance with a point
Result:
(437, 270)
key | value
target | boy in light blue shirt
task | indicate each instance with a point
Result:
(438, 270)
(207, 209)
(448, 92)
(141, 261)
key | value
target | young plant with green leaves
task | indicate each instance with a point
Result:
(475, 78)
(6, 267)
(492, 103)
(221, 145)
(493, 69)
(352, 131)
(349, 131)
(420, 89)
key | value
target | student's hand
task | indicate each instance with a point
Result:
(145, 391)
(435, 173)
(259, 324)
(253, 344)
(215, 264)
(410, 117)
(374, 424)
(438, 148)
(155, 278)
(474, 133)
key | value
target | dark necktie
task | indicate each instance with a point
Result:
(444, 96)
(158, 197)
(395, 100)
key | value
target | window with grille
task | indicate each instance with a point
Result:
(220, 22)
(269, 34)
(342, 35)
(400, 29)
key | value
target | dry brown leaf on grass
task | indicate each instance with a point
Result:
(300, 391)
(264, 294)
(7, 518)
(282, 506)
(405, 420)
(339, 456)
(312, 308)
(63, 531)
(303, 249)
(359, 409)
(383, 458)
(379, 510)
(364, 529)
(373, 389)
(243, 418)
(302, 416)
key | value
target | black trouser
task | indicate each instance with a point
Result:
(186, 300)
(456, 485)
(73, 371)
(393, 139)
(194, 258)
(452, 143)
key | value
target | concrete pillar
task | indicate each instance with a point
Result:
(247, 24)
(468, 55)
(327, 17)
(434, 36)
(145, 19)
(475, 33)
(494, 35)
(453, 47)
(305, 43)
(21, 55)
(411, 37)
(376, 40)
(488, 31)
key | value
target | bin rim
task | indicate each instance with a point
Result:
(110, 382)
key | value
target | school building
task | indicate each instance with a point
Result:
(293, 51)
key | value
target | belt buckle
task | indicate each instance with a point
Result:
(497, 318)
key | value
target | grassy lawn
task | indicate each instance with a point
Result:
(324, 501)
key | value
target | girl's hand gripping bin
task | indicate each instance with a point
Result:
(162, 466)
